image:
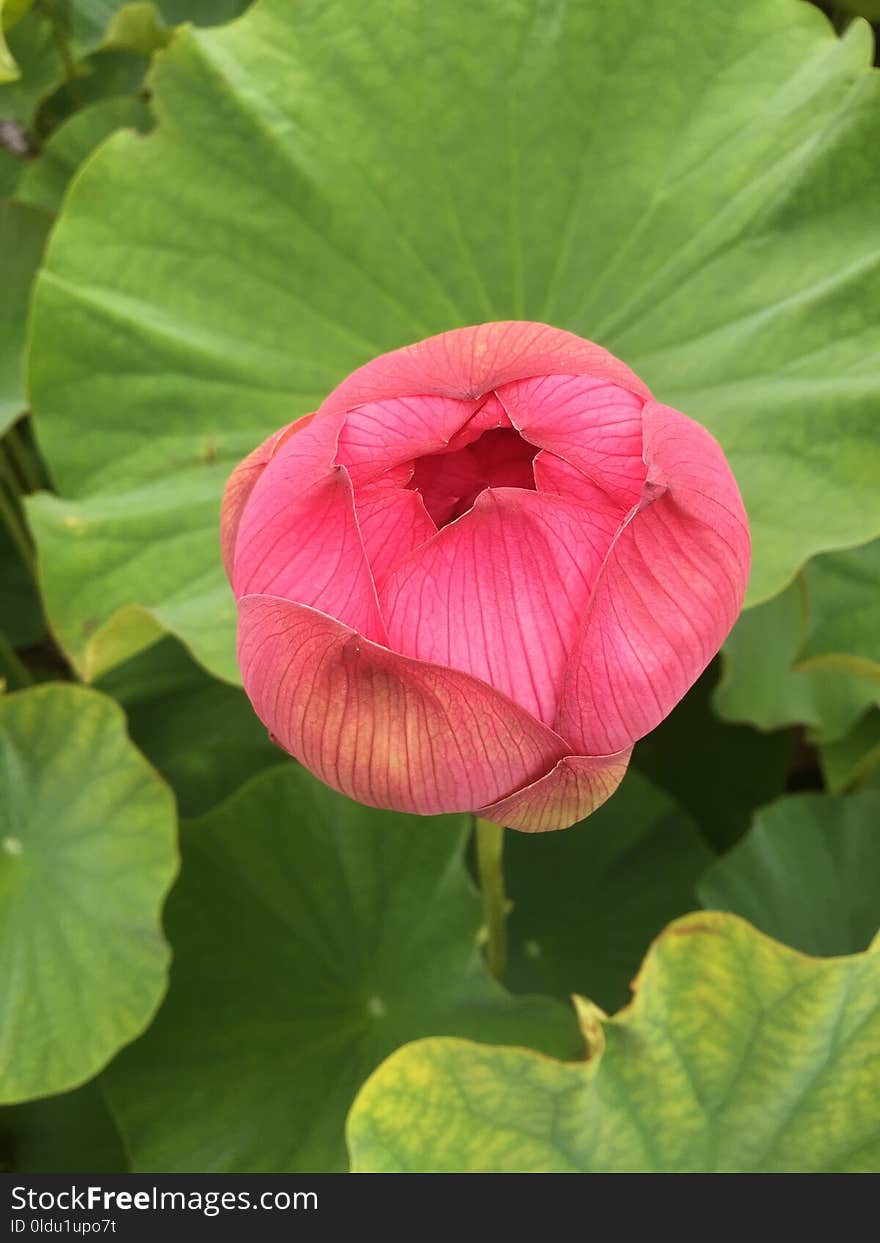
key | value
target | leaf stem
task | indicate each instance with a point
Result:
(15, 526)
(14, 674)
(17, 453)
(490, 847)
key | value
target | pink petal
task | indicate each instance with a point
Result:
(241, 483)
(667, 596)
(489, 415)
(469, 362)
(568, 793)
(557, 477)
(590, 423)
(393, 523)
(384, 434)
(299, 537)
(384, 729)
(501, 593)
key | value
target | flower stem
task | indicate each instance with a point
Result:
(490, 846)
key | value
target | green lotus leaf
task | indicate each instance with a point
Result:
(56, 44)
(45, 180)
(311, 937)
(327, 182)
(137, 25)
(859, 8)
(201, 734)
(843, 590)
(806, 873)
(141, 25)
(764, 684)
(108, 74)
(87, 853)
(737, 1054)
(852, 759)
(201, 12)
(11, 11)
(586, 902)
(11, 169)
(72, 1133)
(717, 771)
(34, 52)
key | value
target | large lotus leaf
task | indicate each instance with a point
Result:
(737, 1054)
(87, 853)
(68, 1134)
(717, 771)
(23, 230)
(763, 683)
(843, 589)
(46, 179)
(588, 901)
(806, 873)
(311, 937)
(201, 734)
(327, 182)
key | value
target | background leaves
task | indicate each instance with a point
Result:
(806, 873)
(202, 735)
(844, 610)
(611, 885)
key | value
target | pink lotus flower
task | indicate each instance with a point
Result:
(484, 568)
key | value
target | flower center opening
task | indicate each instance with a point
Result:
(450, 482)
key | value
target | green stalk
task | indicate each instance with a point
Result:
(490, 847)
(20, 460)
(16, 528)
(14, 674)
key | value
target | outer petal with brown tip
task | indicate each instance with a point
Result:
(572, 790)
(384, 729)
